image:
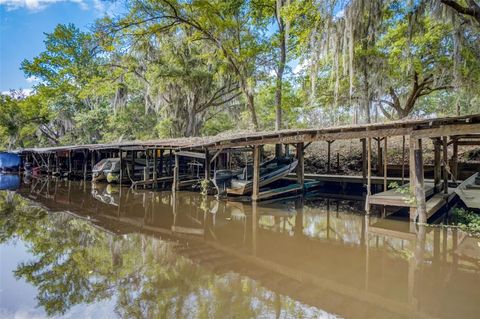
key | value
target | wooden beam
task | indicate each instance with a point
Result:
(318, 136)
(216, 155)
(300, 165)
(468, 143)
(190, 154)
(256, 173)
(447, 130)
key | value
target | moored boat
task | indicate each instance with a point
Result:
(469, 191)
(240, 182)
(104, 167)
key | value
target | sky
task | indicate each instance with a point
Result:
(22, 27)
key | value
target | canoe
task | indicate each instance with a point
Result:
(469, 191)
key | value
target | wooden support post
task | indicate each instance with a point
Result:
(379, 157)
(155, 166)
(85, 163)
(57, 170)
(146, 175)
(411, 165)
(364, 160)
(437, 170)
(420, 186)
(369, 174)
(170, 159)
(161, 163)
(93, 159)
(403, 160)
(207, 165)
(385, 163)
(256, 173)
(455, 159)
(445, 163)
(338, 162)
(120, 155)
(176, 170)
(300, 165)
(48, 164)
(329, 156)
(70, 164)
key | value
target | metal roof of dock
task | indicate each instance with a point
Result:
(421, 128)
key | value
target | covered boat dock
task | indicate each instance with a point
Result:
(212, 153)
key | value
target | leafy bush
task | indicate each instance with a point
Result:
(467, 220)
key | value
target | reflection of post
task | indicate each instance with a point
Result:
(415, 270)
(174, 207)
(119, 201)
(367, 251)
(69, 191)
(298, 232)
(328, 218)
(254, 227)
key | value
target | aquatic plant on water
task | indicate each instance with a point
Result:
(467, 220)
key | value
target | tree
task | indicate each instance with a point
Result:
(228, 26)
(471, 9)
(64, 70)
(21, 117)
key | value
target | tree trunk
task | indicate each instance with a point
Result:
(279, 85)
(250, 103)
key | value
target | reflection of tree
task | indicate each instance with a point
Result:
(74, 262)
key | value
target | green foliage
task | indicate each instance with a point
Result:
(177, 68)
(467, 220)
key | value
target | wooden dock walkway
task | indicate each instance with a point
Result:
(393, 197)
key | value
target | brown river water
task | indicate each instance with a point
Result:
(70, 250)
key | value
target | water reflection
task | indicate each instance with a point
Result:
(159, 254)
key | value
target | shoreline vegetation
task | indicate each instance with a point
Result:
(163, 69)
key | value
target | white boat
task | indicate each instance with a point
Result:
(469, 191)
(240, 182)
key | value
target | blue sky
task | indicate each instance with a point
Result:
(22, 27)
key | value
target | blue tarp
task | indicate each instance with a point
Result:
(11, 182)
(9, 161)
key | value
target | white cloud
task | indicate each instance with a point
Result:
(22, 92)
(37, 5)
(32, 79)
